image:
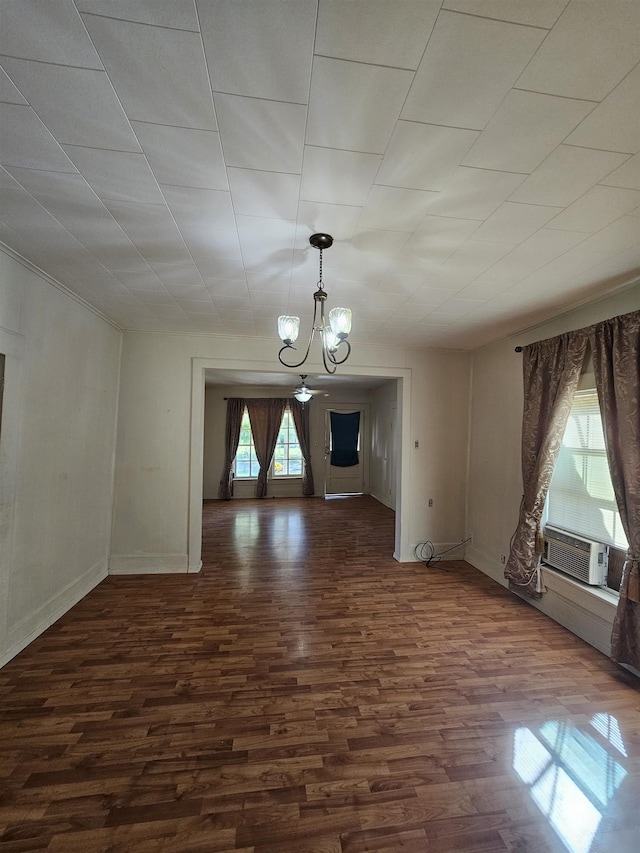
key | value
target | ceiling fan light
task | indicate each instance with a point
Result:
(340, 320)
(288, 328)
(302, 394)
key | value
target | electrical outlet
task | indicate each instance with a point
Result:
(503, 558)
(430, 501)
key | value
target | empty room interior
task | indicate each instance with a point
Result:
(320, 426)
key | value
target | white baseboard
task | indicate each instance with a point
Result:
(27, 629)
(384, 501)
(149, 564)
(457, 551)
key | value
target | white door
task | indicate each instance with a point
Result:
(350, 480)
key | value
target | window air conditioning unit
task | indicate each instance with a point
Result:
(581, 558)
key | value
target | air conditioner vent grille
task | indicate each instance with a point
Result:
(580, 558)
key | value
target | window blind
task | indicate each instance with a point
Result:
(581, 497)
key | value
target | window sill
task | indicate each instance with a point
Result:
(595, 599)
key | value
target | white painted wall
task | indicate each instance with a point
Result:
(56, 451)
(160, 450)
(383, 462)
(495, 474)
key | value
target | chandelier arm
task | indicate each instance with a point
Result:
(288, 346)
(335, 360)
(325, 353)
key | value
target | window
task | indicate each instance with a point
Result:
(581, 497)
(287, 457)
(246, 462)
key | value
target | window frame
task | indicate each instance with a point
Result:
(584, 454)
(271, 473)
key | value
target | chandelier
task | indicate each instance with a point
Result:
(335, 346)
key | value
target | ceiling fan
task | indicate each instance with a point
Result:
(303, 393)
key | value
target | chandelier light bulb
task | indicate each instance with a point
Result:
(340, 320)
(288, 328)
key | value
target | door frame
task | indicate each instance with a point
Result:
(403, 551)
(365, 440)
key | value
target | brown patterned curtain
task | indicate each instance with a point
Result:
(300, 413)
(235, 410)
(551, 371)
(265, 415)
(616, 360)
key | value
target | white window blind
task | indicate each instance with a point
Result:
(581, 497)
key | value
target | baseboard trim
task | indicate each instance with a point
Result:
(30, 628)
(149, 564)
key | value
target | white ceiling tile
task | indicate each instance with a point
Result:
(617, 237)
(260, 134)
(179, 14)
(197, 306)
(265, 243)
(457, 308)
(472, 259)
(183, 275)
(197, 208)
(66, 42)
(541, 13)
(211, 246)
(75, 205)
(151, 229)
(436, 239)
(524, 130)
(399, 285)
(78, 105)
(353, 106)
(219, 268)
(475, 193)
(9, 92)
(337, 177)
(336, 219)
(469, 66)
(627, 175)
(513, 223)
(442, 150)
(145, 62)
(541, 248)
(7, 180)
(375, 31)
(270, 194)
(565, 175)
(26, 142)
(272, 56)
(613, 124)
(588, 52)
(181, 291)
(395, 209)
(144, 282)
(377, 242)
(183, 156)
(119, 175)
(597, 208)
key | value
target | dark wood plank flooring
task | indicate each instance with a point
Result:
(305, 693)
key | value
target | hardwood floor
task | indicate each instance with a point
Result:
(305, 693)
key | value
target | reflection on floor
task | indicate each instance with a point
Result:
(573, 774)
(305, 693)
